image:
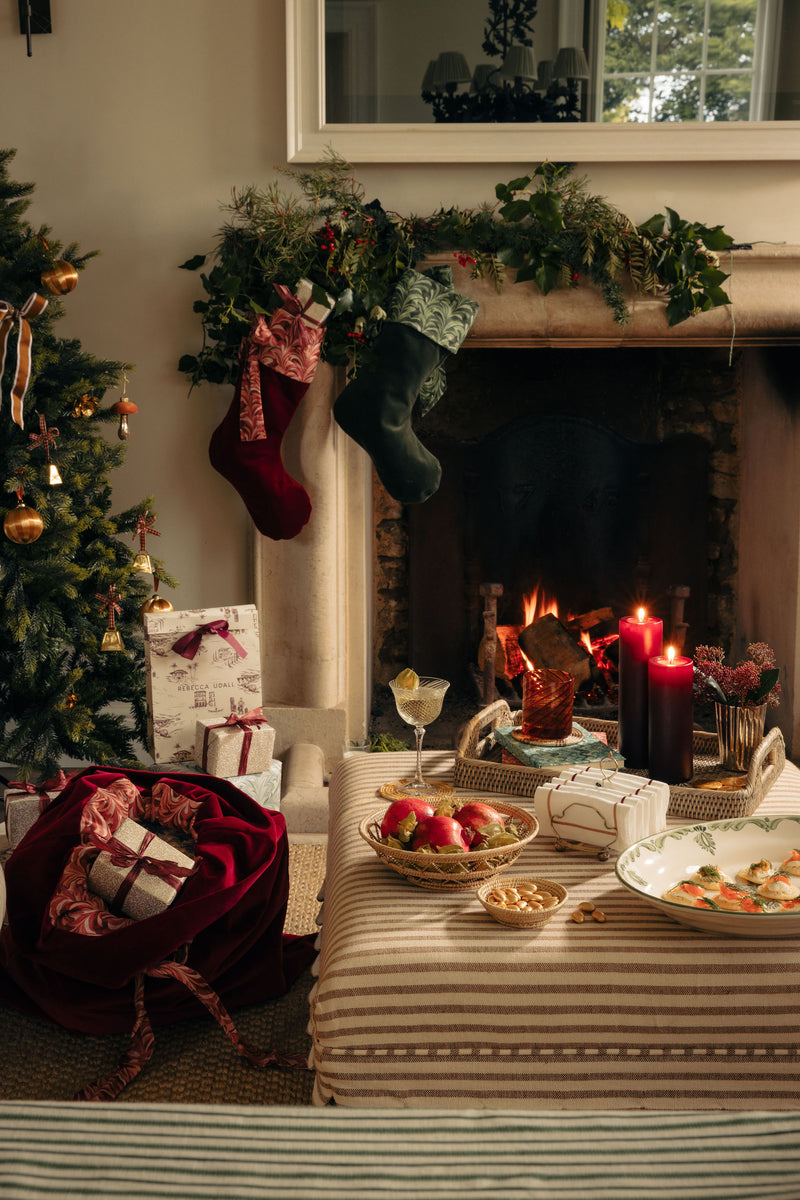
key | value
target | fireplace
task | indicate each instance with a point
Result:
(334, 602)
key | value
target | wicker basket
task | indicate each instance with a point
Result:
(525, 919)
(451, 872)
(478, 767)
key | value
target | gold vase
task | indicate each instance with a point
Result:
(740, 731)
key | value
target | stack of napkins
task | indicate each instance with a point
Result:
(607, 809)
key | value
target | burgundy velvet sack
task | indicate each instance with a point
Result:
(226, 922)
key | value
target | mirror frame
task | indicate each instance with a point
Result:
(309, 139)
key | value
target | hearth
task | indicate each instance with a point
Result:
(334, 601)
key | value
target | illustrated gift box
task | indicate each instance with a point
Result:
(236, 745)
(203, 662)
(138, 872)
(25, 802)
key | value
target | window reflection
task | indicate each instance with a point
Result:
(645, 61)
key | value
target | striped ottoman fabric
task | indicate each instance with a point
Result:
(423, 1001)
(195, 1152)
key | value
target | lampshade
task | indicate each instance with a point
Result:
(429, 76)
(451, 67)
(571, 63)
(481, 76)
(519, 64)
(544, 76)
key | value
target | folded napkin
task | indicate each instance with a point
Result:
(611, 811)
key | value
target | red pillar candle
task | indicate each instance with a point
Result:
(640, 639)
(670, 717)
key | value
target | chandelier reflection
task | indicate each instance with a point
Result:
(514, 91)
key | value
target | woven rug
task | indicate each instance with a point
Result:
(193, 1062)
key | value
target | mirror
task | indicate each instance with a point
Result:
(355, 71)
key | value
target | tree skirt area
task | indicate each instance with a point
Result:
(193, 1062)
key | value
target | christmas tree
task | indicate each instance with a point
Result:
(67, 571)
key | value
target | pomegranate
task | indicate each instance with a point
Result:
(402, 817)
(440, 835)
(480, 822)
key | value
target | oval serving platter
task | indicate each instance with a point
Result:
(651, 866)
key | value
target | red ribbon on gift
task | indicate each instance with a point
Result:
(246, 722)
(301, 318)
(138, 862)
(189, 644)
(43, 790)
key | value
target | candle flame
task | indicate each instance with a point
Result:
(640, 614)
(671, 653)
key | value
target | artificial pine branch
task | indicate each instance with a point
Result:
(55, 684)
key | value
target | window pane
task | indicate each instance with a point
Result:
(676, 98)
(626, 100)
(680, 35)
(727, 98)
(731, 33)
(628, 47)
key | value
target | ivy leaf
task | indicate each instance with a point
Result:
(546, 207)
(192, 264)
(547, 277)
(519, 185)
(679, 308)
(320, 296)
(711, 276)
(200, 306)
(715, 238)
(516, 210)
(654, 226)
(187, 363)
(512, 256)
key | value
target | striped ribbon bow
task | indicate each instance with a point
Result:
(34, 306)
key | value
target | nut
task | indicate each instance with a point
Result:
(597, 915)
(586, 906)
(578, 916)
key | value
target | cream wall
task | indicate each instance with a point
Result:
(135, 120)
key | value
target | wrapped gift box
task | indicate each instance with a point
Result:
(238, 745)
(128, 873)
(24, 804)
(214, 672)
(263, 787)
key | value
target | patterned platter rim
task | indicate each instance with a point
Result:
(651, 866)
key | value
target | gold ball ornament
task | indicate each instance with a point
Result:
(86, 406)
(156, 604)
(23, 524)
(60, 278)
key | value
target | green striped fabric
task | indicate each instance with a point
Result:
(194, 1152)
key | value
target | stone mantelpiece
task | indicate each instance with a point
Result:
(315, 592)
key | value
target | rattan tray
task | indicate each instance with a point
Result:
(478, 767)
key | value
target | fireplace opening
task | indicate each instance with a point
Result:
(604, 479)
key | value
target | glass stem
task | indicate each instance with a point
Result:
(419, 733)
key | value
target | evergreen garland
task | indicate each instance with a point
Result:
(546, 227)
(55, 683)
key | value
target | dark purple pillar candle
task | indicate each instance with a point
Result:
(670, 718)
(640, 639)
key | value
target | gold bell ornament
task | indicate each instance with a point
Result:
(45, 438)
(156, 603)
(60, 278)
(112, 638)
(22, 524)
(124, 407)
(144, 525)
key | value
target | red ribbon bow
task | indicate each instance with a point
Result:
(247, 721)
(302, 326)
(138, 862)
(33, 306)
(189, 643)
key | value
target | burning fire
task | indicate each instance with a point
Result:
(537, 604)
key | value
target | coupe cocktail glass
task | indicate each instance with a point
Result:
(418, 707)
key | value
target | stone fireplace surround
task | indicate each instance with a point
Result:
(315, 592)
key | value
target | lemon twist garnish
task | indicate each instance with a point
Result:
(407, 679)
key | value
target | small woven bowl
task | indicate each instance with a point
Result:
(526, 918)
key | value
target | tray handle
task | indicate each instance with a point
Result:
(767, 762)
(488, 718)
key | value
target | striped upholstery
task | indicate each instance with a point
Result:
(173, 1152)
(423, 1001)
